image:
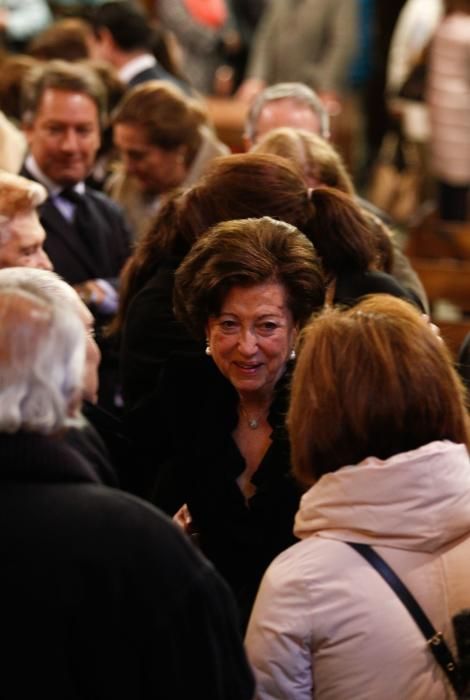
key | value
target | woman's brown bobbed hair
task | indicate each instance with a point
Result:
(247, 252)
(375, 380)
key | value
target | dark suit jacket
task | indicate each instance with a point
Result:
(102, 257)
(158, 73)
(72, 259)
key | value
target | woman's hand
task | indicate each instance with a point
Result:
(183, 518)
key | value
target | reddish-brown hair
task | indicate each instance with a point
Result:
(234, 187)
(251, 186)
(371, 381)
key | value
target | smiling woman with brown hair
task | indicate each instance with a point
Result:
(215, 426)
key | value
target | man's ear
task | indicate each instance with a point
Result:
(104, 39)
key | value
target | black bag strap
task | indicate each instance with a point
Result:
(435, 640)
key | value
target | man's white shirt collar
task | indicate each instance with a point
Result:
(52, 187)
(135, 66)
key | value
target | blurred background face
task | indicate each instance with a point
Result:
(252, 337)
(286, 112)
(157, 170)
(65, 136)
(23, 243)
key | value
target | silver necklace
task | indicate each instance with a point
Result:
(254, 421)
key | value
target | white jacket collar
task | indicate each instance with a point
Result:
(414, 500)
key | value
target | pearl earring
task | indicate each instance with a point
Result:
(208, 348)
(292, 355)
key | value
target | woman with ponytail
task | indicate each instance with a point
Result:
(355, 254)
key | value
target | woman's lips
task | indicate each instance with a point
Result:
(248, 368)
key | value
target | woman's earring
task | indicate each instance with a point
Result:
(208, 348)
(292, 355)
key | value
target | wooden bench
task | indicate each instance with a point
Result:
(445, 278)
(432, 238)
(440, 254)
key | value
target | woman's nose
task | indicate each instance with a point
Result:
(247, 342)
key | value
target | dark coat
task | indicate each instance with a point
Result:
(101, 596)
(151, 334)
(75, 260)
(186, 429)
(352, 286)
(157, 73)
(101, 256)
(90, 446)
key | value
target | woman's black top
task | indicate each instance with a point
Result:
(187, 429)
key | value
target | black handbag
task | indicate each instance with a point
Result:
(434, 639)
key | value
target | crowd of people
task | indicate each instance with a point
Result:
(222, 399)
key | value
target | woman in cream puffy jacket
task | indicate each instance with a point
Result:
(378, 429)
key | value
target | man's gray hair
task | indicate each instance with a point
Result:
(42, 362)
(297, 92)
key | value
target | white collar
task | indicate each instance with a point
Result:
(135, 66)
(52, 187)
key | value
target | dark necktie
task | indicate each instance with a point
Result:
(81, 221)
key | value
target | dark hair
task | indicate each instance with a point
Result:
(128, 24)
(340, 232)
(374, 380)
(248, 186)
(319, 161)
(61, 75)
(247, 252)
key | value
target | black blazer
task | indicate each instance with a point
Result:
(158, 73)
(71, 257)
